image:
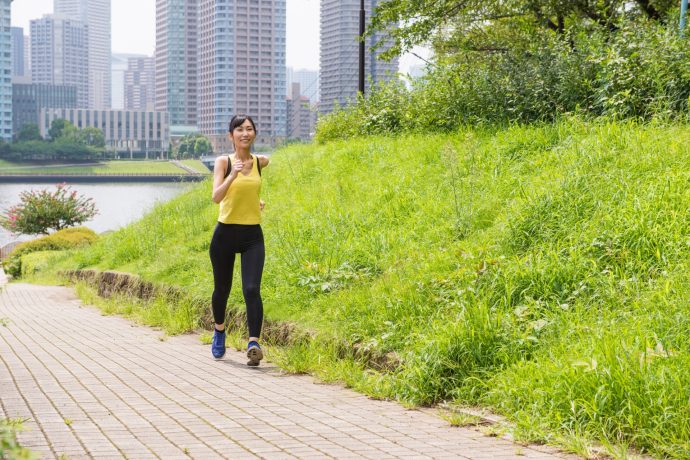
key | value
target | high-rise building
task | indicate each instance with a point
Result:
(140, 84)
(118, 67)
(300, 116)
(96, 15)
(5, 71)
(308, 81)
(27, 57)
(59, 54)
(18, 68)
(242, 67)
(176, 60)
(339, 72)
(29, 99)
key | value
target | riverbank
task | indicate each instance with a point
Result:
(98, 178)
(114, 168)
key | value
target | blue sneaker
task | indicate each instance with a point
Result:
(254, 354)
(218, 344)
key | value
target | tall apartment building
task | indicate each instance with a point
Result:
(242, 67)
(29, 99)
(140, 83)
(18, 69)
(308, 81)
(339, 77)
(176, 60)
(96, 15)
(27, 57)
(59, 54)
(301, 119)
(5, 71)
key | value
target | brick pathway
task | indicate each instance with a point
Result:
(128, 394)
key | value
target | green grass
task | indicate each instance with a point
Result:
(196, 165)
(540, 272)
(104, 167)
(9, 447)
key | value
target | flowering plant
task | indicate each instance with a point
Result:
(41, 210)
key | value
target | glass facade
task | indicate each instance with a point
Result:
(339, 67)
(29, 99)
(5, 71)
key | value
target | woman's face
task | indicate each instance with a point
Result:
(243, 135)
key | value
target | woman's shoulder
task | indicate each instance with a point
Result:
(222, 159)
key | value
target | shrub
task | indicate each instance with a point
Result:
(42, 210)
(64, 239)
(642, 71)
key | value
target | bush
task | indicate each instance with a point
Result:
(642, 71)
(42, 210)
(64, 239)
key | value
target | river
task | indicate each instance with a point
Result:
(117, 204)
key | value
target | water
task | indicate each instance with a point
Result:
(118, 204)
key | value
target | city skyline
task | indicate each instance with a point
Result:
(136, 34)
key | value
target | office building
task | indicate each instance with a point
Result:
(18, 68)
(176, 60)
(59, 54)
(95, 14)
(133, 134)
(242, 67)
(300, 115)
(118, 67)
(5, 70)
(339, 72)
(27, 57)
(308, 81)
(29, 99)
(140, 84)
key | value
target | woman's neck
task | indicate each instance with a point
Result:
(242, 154)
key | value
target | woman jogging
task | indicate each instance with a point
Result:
(236, 186)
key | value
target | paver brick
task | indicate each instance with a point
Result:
(127, 394)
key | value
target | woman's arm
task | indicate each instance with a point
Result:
(220, 182)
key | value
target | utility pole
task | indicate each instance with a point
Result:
(362, 17)
(683, 15)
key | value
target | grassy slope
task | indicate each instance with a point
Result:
(538, 271)
(196, 165)
(106, 167)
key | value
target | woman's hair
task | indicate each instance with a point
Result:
(237, 120)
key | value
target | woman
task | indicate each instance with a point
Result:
(236, 186)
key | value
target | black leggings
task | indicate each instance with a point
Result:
(248, 240)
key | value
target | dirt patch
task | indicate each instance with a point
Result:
(109, 284)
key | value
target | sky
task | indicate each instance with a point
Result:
(134, 29)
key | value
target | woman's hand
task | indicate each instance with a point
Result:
(237, 167)
(261, 204)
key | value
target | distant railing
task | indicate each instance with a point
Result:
(6, 249)
(2, 173)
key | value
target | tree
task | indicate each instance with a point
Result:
(29, 132)
(202, 146)
(193, 145)
(492, 25)
(92, 136)
(57, 127)
(42, 210)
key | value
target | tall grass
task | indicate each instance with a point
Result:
(539, 271)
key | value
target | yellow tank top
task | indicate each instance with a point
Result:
(240, 205)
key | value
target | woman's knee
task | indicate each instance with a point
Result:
(251, 291)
